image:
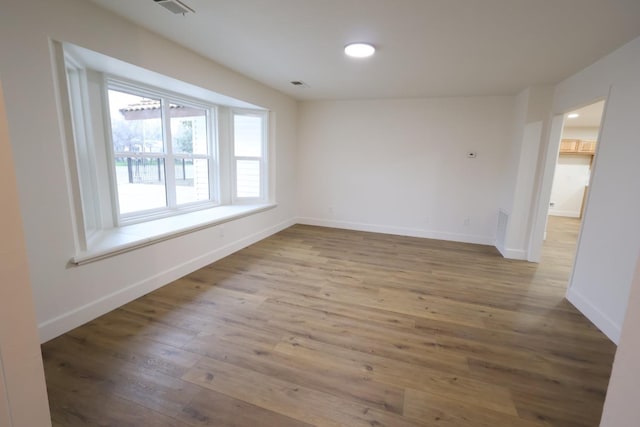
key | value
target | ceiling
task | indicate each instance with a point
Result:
(589, 116)
(425, 47)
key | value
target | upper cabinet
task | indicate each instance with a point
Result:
(588, 147)
(569, 145)
(577, 146)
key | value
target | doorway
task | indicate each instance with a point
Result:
(570, 186)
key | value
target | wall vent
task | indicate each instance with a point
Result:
(175, 6)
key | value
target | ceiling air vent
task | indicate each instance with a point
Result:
(175, 6)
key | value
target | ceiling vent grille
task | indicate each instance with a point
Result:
(175, 6)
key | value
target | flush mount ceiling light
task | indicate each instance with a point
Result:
(573, 115)
(359, 50)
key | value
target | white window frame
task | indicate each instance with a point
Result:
(84, 152)
(263, 159)
(166, 98)
(82, 96)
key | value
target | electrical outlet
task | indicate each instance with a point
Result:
(220, 231)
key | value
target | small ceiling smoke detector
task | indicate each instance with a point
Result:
(359, 50)
(175, 6)
(573, 115)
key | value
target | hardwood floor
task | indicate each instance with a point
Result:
(323, 327)
(559, 248)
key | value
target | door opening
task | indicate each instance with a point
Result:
(568, 194)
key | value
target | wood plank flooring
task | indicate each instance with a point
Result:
(323, 327)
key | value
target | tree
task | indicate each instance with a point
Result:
(184, 137)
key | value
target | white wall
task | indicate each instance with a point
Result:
(610, 238)
(571, 175)
(589, 133)
(67, 296)
(400, 165)
(23, 394)
(519, 119)
(621, 407)
(569, 181)
(532, 110)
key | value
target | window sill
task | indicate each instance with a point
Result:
(107, 243)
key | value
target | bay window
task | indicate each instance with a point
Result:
(162, 152)
(151, 157)
(249, 137)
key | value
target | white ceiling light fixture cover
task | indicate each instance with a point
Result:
(359, 50)
(573, 115)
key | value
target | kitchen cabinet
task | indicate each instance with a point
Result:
(577, 146)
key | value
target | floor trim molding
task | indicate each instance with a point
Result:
(80, 315)
(399, 231)
(595, 316)
(511, 253)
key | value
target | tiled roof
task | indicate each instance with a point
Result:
(147, 104)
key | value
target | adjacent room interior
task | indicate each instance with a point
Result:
(570, 185)
(240, 213)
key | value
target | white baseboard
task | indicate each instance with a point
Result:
(512, 253)
(569, 214)
(78, 316)
(74, 318)
(400, 231)
(597, 317)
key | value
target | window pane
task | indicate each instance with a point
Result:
(247, 178)
(247, 136)
(141, 184)
(192, 180)
(136, 124)
(188, 129)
